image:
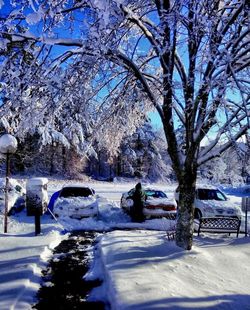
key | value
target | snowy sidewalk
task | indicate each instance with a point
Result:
(22, 257)
(145, 271)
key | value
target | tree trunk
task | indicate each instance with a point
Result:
(52, 155)
(185, 219)
(119, 166)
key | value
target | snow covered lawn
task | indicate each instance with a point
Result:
(146, 271)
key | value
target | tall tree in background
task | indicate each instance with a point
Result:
(189, 59)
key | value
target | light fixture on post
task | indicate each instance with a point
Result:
(8, 145)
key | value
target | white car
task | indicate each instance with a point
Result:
(16, 196)
(157, 204)
(76, 202)
(211, 202)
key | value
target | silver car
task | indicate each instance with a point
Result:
(211, 202)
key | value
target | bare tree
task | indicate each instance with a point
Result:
(189, 59)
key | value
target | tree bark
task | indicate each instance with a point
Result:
(185, 219)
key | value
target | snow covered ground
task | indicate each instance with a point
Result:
(146, 271)
(22, 257)
(141, 269)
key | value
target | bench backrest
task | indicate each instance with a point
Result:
(219, 224)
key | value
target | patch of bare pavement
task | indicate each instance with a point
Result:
(63, 286)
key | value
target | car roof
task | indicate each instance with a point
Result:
(205, 186)
(75, 186)
(201, 186)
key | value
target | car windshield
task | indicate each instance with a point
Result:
(210, 194)
(75, 192)
(155, 194)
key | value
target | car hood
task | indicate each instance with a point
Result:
(217, 204)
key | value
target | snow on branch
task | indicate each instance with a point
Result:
(219, 149)
(46, 40)
(132, 66)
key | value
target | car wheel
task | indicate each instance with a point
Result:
(197, 214)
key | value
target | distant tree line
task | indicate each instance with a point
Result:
(142, 155)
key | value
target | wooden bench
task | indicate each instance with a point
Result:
(219, 225)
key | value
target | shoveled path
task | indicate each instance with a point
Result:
(63, 287)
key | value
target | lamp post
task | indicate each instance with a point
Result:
(8, 145)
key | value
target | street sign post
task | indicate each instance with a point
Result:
(245, 207)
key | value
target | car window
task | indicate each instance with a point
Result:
(210, 194)
(18, 188)
(76, 192)
(149, 193)
(155, 194)
(162, 194)
(221, 196)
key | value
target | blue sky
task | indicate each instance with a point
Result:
(155, 119)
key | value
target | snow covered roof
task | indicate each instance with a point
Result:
(206, 186)
(153, 189)
(76, 185)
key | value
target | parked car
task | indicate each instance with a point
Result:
(76, 202)
(157, 204)
(16, 196)
(211, 202)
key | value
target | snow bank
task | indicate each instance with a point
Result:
(145, 271)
